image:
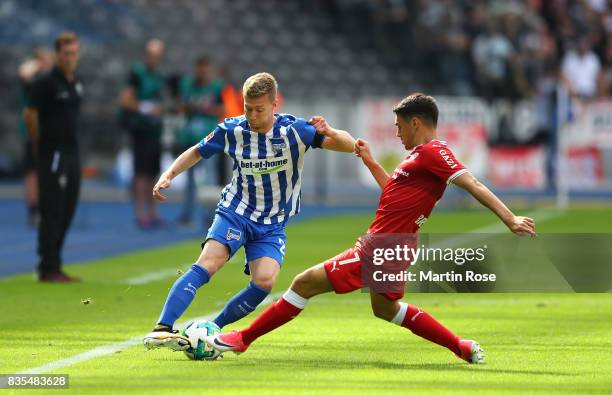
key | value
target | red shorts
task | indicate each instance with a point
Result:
(344, 273)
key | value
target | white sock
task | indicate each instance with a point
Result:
(401, 314)
(295, 299)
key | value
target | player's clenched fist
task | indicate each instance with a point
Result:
(522, 226)
(163, 183)
(320, 125)
(362, 150)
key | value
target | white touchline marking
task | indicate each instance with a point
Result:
(112, 348)
(107, 349)
(150, 277)
(159, 275)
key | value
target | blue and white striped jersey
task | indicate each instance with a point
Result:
(267, 171)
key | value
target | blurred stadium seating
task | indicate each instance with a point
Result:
(343, 58)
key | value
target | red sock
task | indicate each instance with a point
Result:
(277, 314)
(424, 325)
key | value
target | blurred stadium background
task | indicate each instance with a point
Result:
(523, 87)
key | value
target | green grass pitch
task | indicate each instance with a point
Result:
(556, 343)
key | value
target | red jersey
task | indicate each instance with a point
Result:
(414, 188)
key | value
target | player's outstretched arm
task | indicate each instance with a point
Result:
(190, 157)
(517, 224)
(362, 150)
(335, 140)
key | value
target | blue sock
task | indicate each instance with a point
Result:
(182, 293)
(241, 305)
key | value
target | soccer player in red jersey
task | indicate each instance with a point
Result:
(408, 197)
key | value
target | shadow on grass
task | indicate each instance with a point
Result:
(347, 365)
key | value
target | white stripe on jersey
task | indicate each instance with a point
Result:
(275, 184)
(245, 181)
(233, 190)
(230, 189)
(276, 193)
(226, 148)
(455, 175)
(259, 187)
(289, 190)
(300, 164)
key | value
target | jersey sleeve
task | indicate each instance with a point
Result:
(308, 134)
(441, 162)
(38, 93)
(214, 143)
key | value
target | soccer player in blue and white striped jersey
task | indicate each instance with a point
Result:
(268, 152)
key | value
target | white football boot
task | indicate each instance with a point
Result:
(165, 338)
(471, 351)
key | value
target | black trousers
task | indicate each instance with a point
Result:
(59, 182)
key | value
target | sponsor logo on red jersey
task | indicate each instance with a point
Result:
(448, 158)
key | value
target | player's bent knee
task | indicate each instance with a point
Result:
(213, 256)
(308, 284)
(211, 262)
(265, 282)
(384, 312)
(301, 283)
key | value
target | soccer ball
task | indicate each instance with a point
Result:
(196, 332)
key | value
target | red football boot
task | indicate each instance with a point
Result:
(231, 341)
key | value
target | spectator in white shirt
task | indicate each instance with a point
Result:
(580, 70)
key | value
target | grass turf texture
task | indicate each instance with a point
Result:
(533, 342)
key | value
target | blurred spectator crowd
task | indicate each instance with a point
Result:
(492, 48)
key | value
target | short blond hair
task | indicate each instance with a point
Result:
(259, 85)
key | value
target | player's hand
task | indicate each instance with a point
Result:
(163, 183)
(321, 125)
(522, 226)
(362, 150)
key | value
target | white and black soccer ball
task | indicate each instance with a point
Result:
(196, 332)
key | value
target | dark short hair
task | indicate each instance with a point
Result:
(418, 105)
(65, 38)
